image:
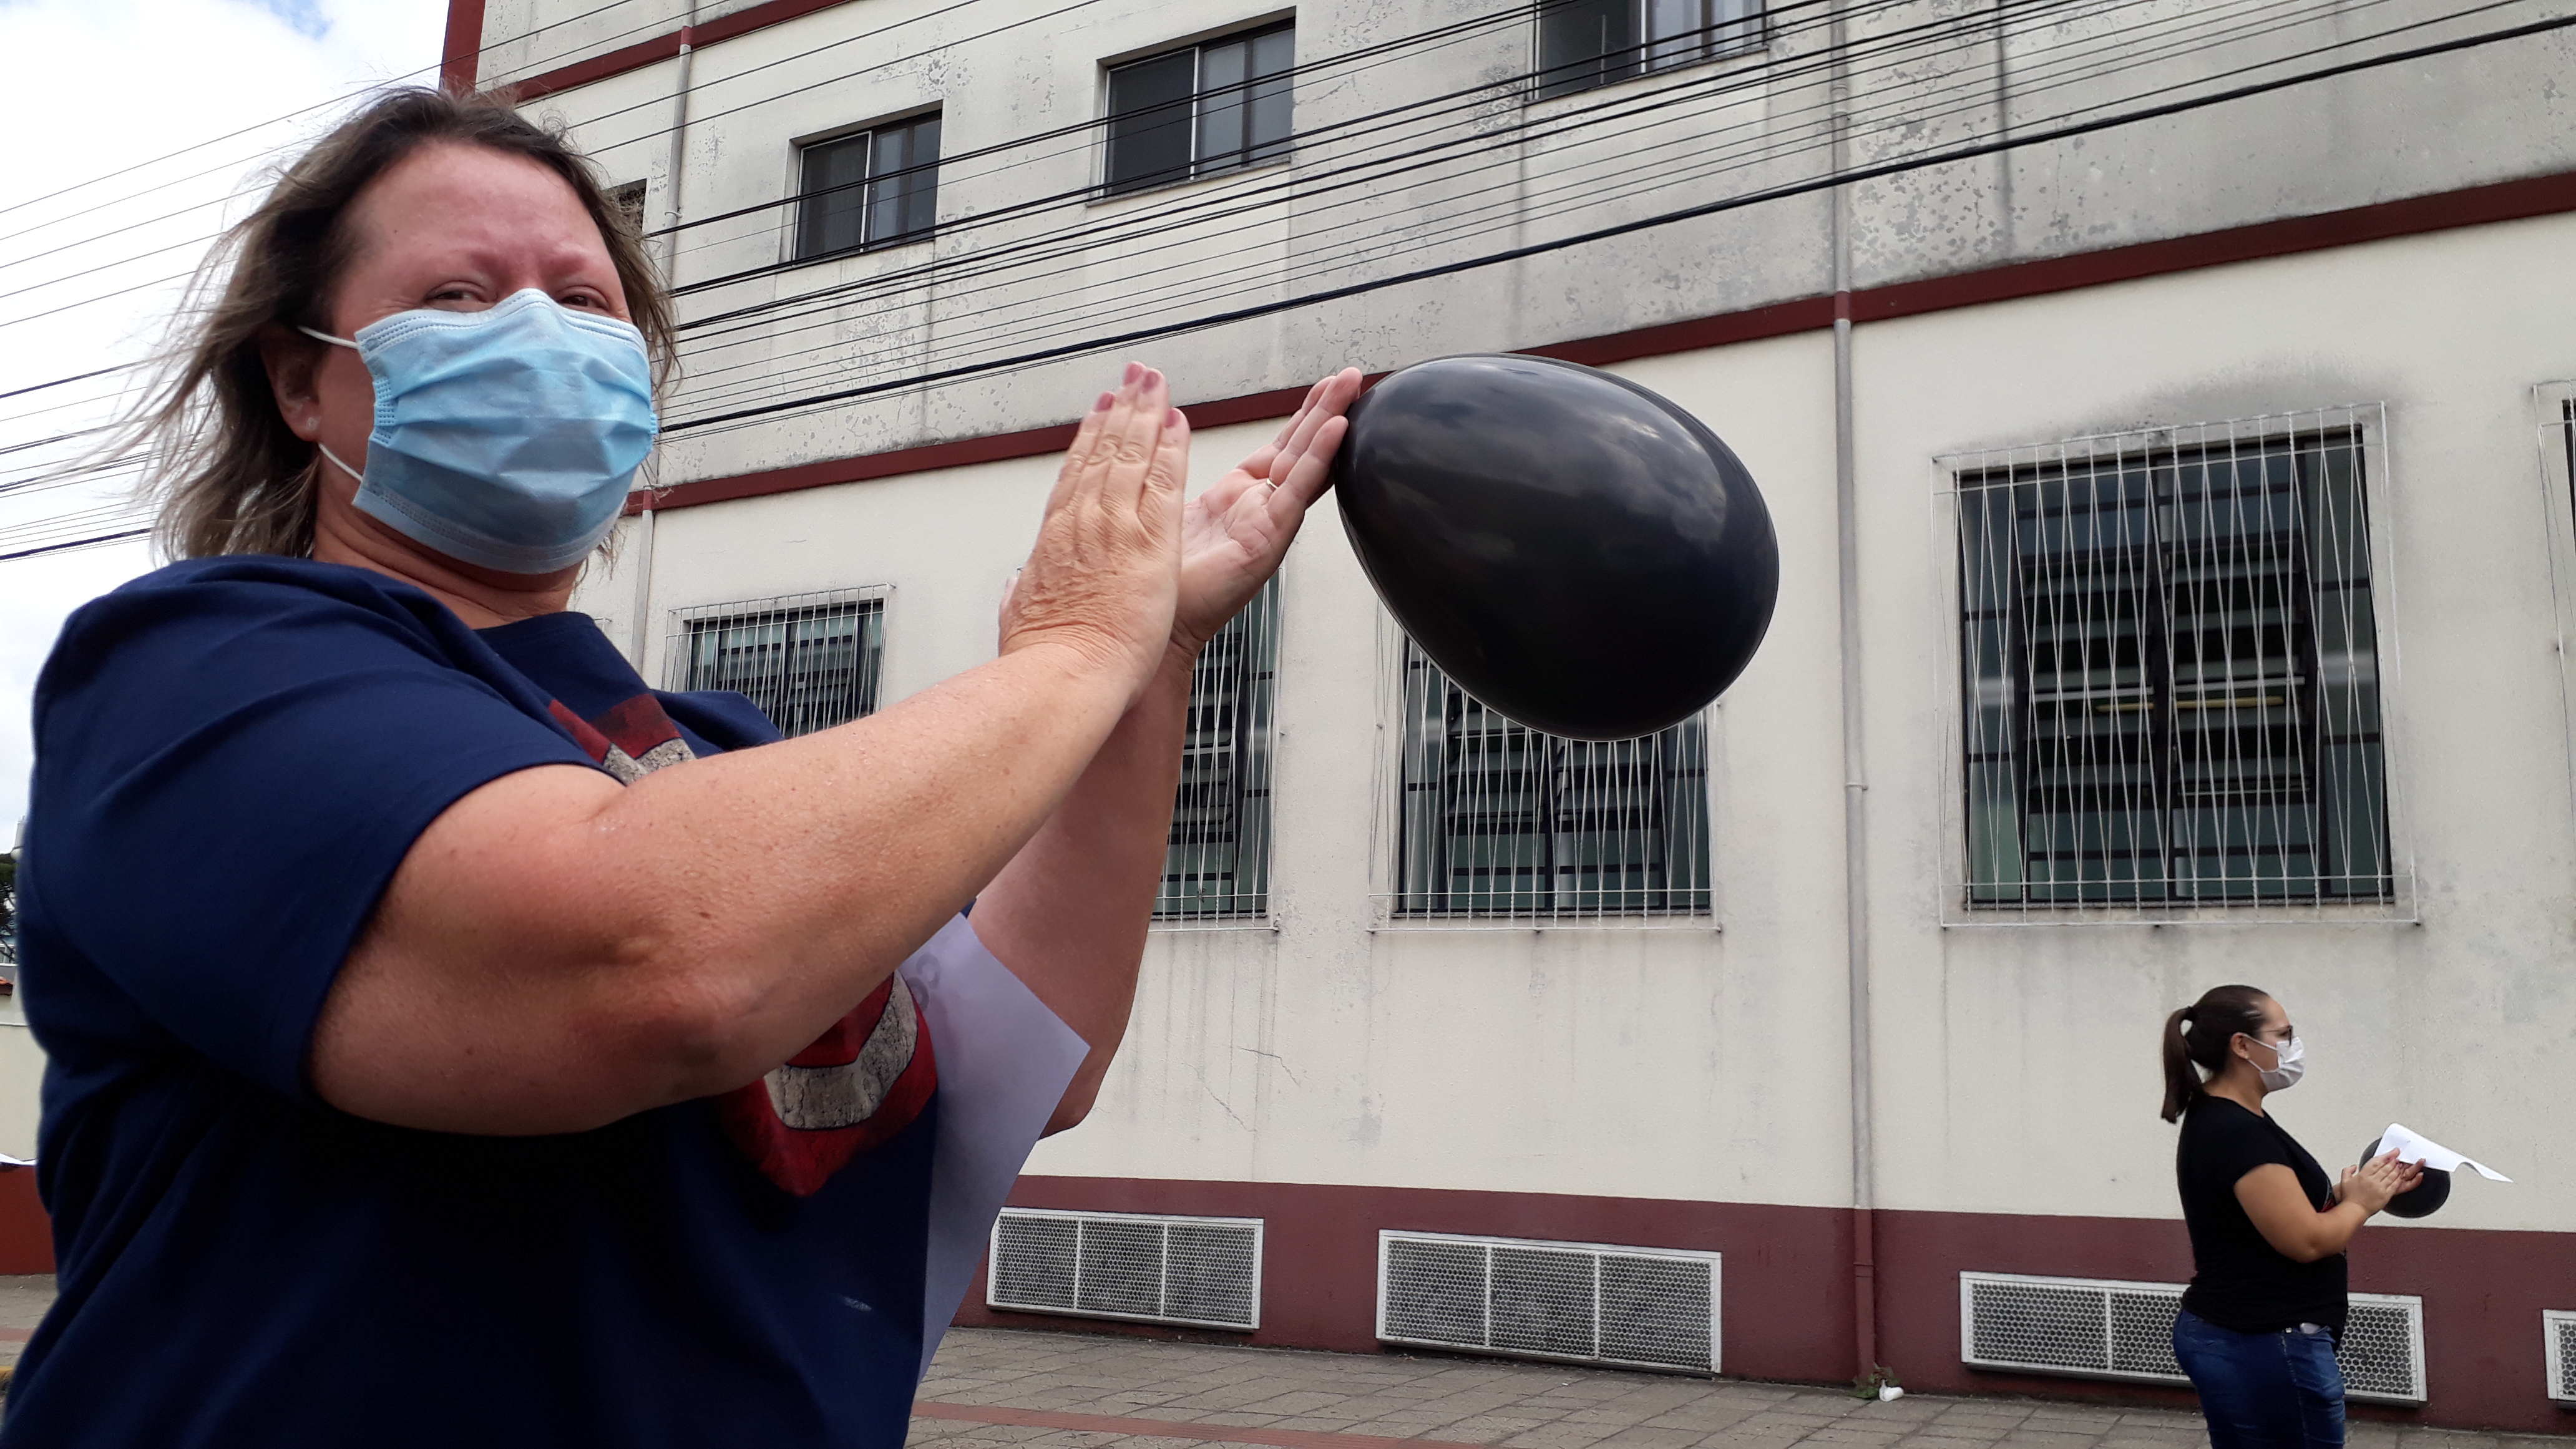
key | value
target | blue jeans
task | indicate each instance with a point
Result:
(2263, 1390)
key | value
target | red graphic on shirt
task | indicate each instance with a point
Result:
(859, 1084)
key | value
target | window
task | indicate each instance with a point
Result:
(1218, 863)
(1200, 110)
(872, 189)
(1588, 43)
(2170, 667)
(629, 201)
(810, 661)
(1497, 819)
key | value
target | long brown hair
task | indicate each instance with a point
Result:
(2199, 1035)
(225, 472)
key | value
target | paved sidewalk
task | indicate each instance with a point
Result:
(992, 1387)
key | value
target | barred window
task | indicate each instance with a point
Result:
(1218, 863)
(810, 661)
(1498, 819)
(2171, 673)
(1587, 43)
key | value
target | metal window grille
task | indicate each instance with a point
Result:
(810, 661)
(2107, 1329)
(872, 189)
(1201, 110)
(2170, 672)
(1586, 1302)
(1587, 43)
(1496, 821)
(1217, 865)
(1204, 1272)
(2558, 1350)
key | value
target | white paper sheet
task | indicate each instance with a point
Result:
(1004, 1062)
(2411, 1146)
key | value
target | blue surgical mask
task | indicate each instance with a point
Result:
(506, 437)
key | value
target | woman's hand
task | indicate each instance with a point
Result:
(1234, 534)
(1105, 574)
(2370, 1186)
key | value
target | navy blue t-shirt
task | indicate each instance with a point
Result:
(232, 757)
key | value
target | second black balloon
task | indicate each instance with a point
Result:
(1569, 547)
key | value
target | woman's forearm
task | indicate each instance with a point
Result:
(558, 950)
(1069, 914)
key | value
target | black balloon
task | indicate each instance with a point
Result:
(2421, 1200)
(1570, 548)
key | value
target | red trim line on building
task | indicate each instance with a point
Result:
(2381, 221)
(461, 56)
(659, 48)
(1785, 1303)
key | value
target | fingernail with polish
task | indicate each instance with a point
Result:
(1135, 370)
(1106, 399)
(1153, 378)
(1171, 417)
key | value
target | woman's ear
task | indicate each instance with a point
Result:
(291, 360)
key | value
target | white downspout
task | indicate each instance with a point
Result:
(1855, 776)
(642, 542)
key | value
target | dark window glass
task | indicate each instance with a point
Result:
(1218, 861)
(629, 201)
(1500, 820)
(1202, 110)
(1587, 43)
(873, 189)
(809, 667)
(2171, 678)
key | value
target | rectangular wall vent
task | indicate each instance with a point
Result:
(1585, 1302)
(2558, 1342)
(1203, 1272)
(2105, 1329)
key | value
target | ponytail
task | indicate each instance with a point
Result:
(2198, 1036)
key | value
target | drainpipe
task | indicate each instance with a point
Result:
(643, 539)
(1855, 777)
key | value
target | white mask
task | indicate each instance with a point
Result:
(2291, 1064)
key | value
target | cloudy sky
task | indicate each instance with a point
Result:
(139, 127)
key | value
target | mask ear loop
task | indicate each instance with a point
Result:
(320, 336)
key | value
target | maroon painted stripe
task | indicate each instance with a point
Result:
(1170, 1428)
(661, 47)
(1787, 1305)
(461, 56)
(2381, 221)
(598, 68)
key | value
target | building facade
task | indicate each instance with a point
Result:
(2176, 558)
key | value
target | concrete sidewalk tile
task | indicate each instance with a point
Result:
(1559, 1436)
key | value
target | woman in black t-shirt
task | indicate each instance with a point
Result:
(2258, 1325)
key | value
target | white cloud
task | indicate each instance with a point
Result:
(96, 87)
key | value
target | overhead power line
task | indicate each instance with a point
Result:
(1946, 157)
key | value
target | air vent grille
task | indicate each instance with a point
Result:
(1204, 1272)
(2103, 1329)
(2558, 1335)
(1586, 1302)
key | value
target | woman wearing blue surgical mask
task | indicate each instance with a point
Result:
(2260, 1321)
(450, 1037)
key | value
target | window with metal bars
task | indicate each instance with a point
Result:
(810, 661)
(1218, 106)
(871, 189)
(1587, 43)
(2171, 674)
(1218, 863)
(1498, 819)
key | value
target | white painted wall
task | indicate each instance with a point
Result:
(2015, 1064)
